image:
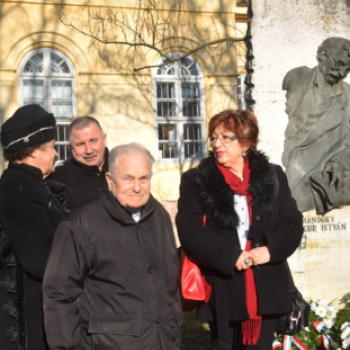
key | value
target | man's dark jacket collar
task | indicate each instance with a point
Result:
(118, 212)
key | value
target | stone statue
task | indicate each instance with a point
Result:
(317, 144)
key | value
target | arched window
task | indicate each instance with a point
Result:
(47, 77)
(179, 110)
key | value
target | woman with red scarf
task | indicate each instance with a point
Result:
(252, 227)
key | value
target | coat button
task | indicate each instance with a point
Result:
(258, 218)
(149, 269)
(158, 320)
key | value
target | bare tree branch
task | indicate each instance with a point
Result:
(150, 28)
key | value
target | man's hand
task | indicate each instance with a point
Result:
(336, 174)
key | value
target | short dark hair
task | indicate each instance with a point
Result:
(242, 123)
(18, 153)
(82, 123)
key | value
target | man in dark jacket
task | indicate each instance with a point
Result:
(29, 214)
(84, 174)
(110, 282)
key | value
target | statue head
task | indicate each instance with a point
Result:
(333, 57)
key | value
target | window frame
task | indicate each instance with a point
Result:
(179, 119)
(48, 78)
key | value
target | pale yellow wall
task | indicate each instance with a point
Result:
(107, 87)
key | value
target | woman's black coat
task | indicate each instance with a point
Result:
(29, 214)
(277, 224)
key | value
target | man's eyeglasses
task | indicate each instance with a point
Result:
(225, 139)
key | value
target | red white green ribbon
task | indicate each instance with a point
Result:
(299, 344)
(324, 331)
(276, 344)
(287, 342)
(320, 327)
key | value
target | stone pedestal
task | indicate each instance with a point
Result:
(321, 264)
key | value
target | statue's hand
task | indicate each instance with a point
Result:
(336, 174)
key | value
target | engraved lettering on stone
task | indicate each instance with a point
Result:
(322, 223)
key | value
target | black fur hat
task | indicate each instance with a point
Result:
(30, 126)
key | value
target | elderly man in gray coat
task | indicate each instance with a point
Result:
(110, 282)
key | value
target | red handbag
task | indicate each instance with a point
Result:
(193, 284)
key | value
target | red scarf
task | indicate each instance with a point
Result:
(251, 327)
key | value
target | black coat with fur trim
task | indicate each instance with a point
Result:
(277, 224)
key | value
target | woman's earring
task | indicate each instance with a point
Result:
(244, 153)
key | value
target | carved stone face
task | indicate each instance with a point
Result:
(291, 102)
(335, 66)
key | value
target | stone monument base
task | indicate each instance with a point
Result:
(321, 265)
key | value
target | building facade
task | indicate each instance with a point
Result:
(49, 55)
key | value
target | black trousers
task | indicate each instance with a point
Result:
(231, 337)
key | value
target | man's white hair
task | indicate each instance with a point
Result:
(130, 149)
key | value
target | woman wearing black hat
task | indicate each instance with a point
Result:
(29, 214)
